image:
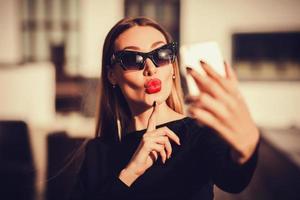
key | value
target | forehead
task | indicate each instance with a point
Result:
(140, 36)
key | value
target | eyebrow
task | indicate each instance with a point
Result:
(137, 48)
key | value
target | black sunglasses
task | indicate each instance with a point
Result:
(134, 60)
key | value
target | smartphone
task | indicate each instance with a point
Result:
(190, 55)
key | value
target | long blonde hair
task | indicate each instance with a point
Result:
(112, 113)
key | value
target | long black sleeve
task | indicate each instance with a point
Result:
(95, 180)
(202, 160)
(227, 174)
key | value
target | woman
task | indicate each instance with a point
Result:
(145, 147)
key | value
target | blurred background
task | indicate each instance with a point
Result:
(50, 56)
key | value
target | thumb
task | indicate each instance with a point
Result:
(152, 119)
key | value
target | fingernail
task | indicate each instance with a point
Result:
(187, 100)
(190, 113)
(202, 62)
(189, 69)
(154, 103)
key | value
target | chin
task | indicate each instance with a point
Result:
(146, 100)
(159, 97)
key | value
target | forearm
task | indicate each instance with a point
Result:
(227, 174)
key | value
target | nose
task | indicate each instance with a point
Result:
(150, 67)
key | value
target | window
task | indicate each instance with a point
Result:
(165, 12)
(267, 56)
(50, 33)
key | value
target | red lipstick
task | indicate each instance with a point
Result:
(153, 86)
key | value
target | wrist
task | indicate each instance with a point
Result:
(132, 168)
(128, 176)
(237, 157)
(242, 155)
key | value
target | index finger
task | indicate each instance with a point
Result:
(215, 76)
(152, 119)
(212, 73)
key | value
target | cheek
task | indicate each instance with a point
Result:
(167, 79)
(131, 84)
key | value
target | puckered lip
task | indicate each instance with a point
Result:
(153, 86)
(152, 82)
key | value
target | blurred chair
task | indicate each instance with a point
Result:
(17, 171)
(64, 159)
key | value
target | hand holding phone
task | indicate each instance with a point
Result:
(191, 55)
(220, 105)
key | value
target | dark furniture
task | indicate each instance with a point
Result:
(64, 158)
(17, 171)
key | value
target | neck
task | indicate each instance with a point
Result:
(140, 120)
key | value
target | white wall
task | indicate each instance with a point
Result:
(216, 20)
(273, 104)
(10, 40)
(96, 18)
(28, 93)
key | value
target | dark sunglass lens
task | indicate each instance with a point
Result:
(164, 56)
(132, 61)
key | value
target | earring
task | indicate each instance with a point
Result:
(173, 76)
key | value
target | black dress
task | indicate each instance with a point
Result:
(201, 161)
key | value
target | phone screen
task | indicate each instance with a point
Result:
(191, 55)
